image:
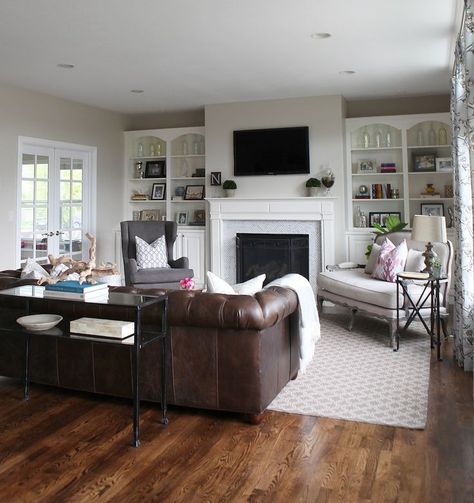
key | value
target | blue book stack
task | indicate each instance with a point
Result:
(76, 290)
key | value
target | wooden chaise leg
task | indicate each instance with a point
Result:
(351, 321)
(392, 327)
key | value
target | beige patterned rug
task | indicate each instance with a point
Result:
(356, 375)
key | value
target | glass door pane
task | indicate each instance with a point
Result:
(34, 212)
(71, 206)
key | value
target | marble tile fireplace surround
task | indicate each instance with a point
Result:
(295, 215)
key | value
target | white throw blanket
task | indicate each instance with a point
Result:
(308, 323)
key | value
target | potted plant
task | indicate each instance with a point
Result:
(229, 187)
(392, 224)
(313, 184)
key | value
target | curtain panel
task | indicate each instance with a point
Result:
(462, 115)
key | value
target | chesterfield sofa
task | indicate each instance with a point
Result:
(225, 352)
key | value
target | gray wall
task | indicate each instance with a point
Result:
(323, 115)
(26, 113)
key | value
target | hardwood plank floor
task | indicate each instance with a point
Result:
(63, 446)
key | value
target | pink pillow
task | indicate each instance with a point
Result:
(391, 261)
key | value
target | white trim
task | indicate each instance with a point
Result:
(51, 148)
(292, 209)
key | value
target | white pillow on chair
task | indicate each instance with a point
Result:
(153, 255)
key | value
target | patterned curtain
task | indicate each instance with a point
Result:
(462, 115)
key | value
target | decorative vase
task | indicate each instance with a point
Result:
(429, 189)
(229, 192)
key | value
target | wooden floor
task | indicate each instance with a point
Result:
(71, 447)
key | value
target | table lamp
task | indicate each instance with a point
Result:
(429, 229)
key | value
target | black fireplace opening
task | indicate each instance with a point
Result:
(272, 254)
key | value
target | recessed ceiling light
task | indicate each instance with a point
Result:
(320, 35)
(347, 72)
(137, 91)
(66, 66)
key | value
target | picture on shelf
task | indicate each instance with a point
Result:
(367, 166)
(199, 217)
(424, 162)
(136, 215)
(150, 215)
(194, 192)
(216, 178)
(182, 217)
(380, 217)
(158, 191)
(155, 169)
(444, 164)
(432, 209)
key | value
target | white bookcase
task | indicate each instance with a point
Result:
(177, 155)
(398, 140)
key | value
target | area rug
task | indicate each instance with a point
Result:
(356, 375)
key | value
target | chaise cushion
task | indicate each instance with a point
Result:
(160, 275)
(356, 284)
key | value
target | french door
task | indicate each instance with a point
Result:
(55, 200)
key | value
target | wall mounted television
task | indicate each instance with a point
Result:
(279, 151)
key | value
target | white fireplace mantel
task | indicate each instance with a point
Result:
(297, 209)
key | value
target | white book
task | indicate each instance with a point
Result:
(116, 329)
(95, 295)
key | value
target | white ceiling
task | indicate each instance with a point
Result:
(186, 54)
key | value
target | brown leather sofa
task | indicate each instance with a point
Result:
(225, 352)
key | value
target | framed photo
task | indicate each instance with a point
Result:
(444, 164)
(216, 178)
(150, 214)
(424, 162)
(194, 192)
(155, 169)
(367, 166)
(199, 217)
(182, 217)
(378, 217)
(158, 191)
(136, 215)
(432, 209)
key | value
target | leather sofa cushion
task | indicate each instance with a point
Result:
(356, 284)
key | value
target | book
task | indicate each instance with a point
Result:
(435, 195)
(74, 287)
(116, 329)
(96, 295)
(414, 275)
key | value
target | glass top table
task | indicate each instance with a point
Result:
(141, 338)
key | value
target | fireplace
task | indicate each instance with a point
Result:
(272, 254)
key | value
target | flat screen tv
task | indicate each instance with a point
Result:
(281, 151)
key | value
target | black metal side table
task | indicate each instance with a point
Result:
(429, 299)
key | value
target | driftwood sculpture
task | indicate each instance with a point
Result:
(85, 268)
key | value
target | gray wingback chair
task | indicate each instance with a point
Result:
(152, 278)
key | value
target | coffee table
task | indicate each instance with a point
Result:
(142, 337)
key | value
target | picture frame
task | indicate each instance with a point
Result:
(378, 217)
(155, 169)
(150, 215)
(136, 215)
(367, 166)
(444, 164)
(432, 209)
(216, 178)
(181, 217)
(199, 217)
(424, 162)
(194, 192)
(158, 191)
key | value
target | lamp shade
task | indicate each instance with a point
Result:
(429, 229)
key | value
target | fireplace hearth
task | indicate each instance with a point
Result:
(272, 254)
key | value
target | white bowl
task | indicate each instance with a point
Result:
(37, 322)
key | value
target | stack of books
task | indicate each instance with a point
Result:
(77, 291)
(388, 167)
(380, 190)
